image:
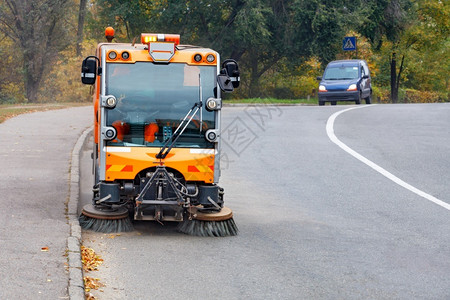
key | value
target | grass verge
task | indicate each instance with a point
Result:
(311, 101)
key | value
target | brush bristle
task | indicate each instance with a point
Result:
(105, 226)
(208, 228)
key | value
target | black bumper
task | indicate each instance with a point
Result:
(339, 96)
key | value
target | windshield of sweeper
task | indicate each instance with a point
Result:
(152, 100)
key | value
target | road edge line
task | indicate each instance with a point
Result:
(76, 283)
(382, 171)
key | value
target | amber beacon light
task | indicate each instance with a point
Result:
(109, 34)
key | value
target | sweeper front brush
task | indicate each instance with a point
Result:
(105, 219)
(219, 224)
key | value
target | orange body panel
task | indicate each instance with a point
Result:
(126, 162)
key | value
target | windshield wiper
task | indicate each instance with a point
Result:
(168, 145)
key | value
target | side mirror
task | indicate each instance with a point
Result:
(225, 83)
(89, 70)
(229, 79)
(365, 76)
(319, 78)
(232, 70)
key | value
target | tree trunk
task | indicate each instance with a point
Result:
(34, 64)
(31, 89)
(399, 75)
(254, 90)
(394, 86)
(81, 15)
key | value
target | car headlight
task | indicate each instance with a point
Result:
(352, 87)
(322, 88)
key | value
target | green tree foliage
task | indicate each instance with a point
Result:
(406, 34)
(429, 55)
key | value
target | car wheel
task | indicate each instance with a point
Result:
(369, 99)
(321, 103)
(358, 101)
(333, 102)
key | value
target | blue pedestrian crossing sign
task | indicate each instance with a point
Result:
(349, 43)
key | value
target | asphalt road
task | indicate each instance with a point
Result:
(315, 223)
(35, 154)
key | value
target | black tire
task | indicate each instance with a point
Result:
(358, 101)
(333, 102)
(321, 103)
(369, 99)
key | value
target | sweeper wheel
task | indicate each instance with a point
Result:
(224, 214)
(104, 213)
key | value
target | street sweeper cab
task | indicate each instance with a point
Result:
(157, 135)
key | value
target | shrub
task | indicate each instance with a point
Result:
(415, 96)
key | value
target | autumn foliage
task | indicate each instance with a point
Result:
(281, 46)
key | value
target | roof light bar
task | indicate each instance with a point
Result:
(147, 38)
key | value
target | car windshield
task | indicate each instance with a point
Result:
(154, 98)
(341, 73)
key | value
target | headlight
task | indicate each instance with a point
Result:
(352, 87)
(198, 57)
(125, 55)
(213, 104)
(110, 133)
(211, 135)
(112, 55)
(210, 58)
(108, 101)
(111, 102)
(322, 88)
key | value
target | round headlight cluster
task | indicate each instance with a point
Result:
(114, 55)
(209, 58)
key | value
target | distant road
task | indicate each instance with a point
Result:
(315, 222)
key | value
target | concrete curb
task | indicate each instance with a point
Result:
(76, 283)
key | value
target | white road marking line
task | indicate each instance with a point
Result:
(334, 139)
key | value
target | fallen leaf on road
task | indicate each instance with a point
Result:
(90, 259)
(44, 249)
(89, 296)
(92, 283)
